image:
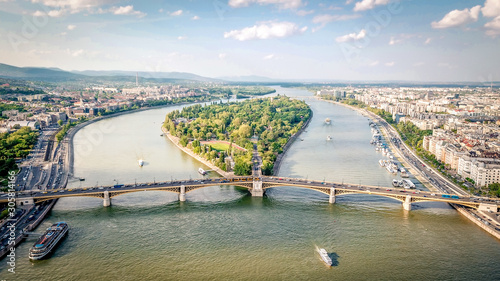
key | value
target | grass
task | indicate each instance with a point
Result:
(220, 146)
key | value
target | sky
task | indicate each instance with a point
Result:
(353, 40)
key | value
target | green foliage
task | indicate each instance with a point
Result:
(494, 189)
(5, 107)
(272, 120)
(184, 141)
(20, 91)
(4, 213)
(412, 135)
(242, 167)
(15, 145)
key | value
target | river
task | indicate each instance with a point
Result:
(222, 233)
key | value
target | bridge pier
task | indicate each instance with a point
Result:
(332, 195)
(182, 194)
(257, 190)
(106, 200)
(407, 203)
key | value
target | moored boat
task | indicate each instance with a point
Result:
(201, 171)
(141, 162)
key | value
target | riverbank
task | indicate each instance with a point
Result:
(175, 140)
(279, 159)
(69, 165)
(465, 212)
(399, 157)
(462, 210)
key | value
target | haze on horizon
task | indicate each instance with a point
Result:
(282, 39)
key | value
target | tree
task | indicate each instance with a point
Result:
(245, 131)
(60, 122)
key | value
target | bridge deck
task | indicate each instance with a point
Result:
(399, 194)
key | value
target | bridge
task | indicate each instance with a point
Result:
(257, 187)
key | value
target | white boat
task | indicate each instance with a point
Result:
(395, 183)
(327, 121)
(324, 256)
(408, 184)
(141, 162)
(328, 138)
(201, 171)
(404, 173)
(381, 163)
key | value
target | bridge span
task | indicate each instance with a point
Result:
(257, 187)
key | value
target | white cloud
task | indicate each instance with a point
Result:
(182, 38)
(269, 57)
(39, 14)
(373, 63)
(493, 27)
(428, 41)
(304, 12)
(352, 37)
(266, 30)
(282, 4)
(126, 10)
(390, 63)
(176, 13)
(458, 18)
(56, 13)
(394, 41)
(491, 8)
(77, 53)
(195, 18)
(420, 63)
(369, 4)
(324, 19)
(74, 6)
(222, 56)
(71, 27)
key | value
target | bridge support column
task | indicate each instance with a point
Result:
(332, 195)
(407, 203)
(257, 190)
(25, 201)
(182, 194)
(107, 200)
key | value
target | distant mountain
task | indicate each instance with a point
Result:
(36, 73)
(249, 78)
(56, 74)
(143, 74)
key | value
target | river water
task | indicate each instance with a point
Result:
(222, 233)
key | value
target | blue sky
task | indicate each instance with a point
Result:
(358, 40)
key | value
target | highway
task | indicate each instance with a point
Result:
(37, 172)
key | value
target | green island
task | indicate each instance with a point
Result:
(224, 133)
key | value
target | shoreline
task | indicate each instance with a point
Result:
(72, 132)
(291, 140)
(175, 140)
(462, 210)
